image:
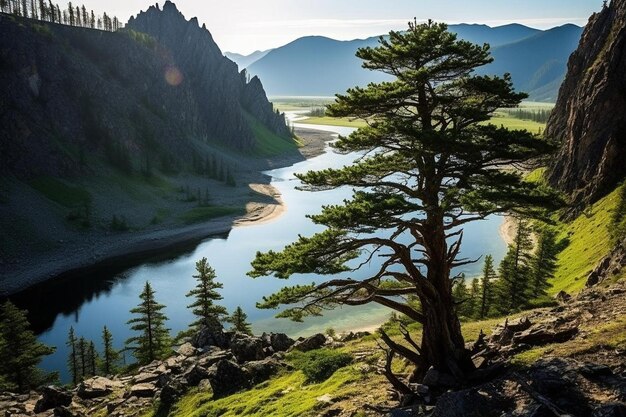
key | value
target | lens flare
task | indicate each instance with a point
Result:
(173, 76)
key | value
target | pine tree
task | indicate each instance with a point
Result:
(486, 287)
(92, 358)
(514, 273)
(427, 150)
(82, 357)
(473, 302)
(205, 294)
(110, 356)
(153, 341)
(238, 321)
(20, 351)
(543, 263)
(72, 360)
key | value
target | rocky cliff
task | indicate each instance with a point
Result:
(590, 114)
(159, 91)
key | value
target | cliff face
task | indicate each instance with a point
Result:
(71, 95)
(590, 115)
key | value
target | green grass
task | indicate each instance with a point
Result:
(537, 176)
(61, 193)
(509, 122)
(287, 395)
(269, 143)
(334, 121)
(201, 214)
(589, 242)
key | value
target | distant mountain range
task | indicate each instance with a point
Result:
(320, 66)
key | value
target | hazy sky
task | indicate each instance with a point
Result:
(247, 25)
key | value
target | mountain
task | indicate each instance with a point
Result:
(590, 114)
(156, 87)
(113, 142)
(244, 61)
(320, 66)
(494, 36)
(538, 63)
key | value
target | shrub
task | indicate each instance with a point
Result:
(319, 365)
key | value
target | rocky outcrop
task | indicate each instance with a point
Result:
(609, 266)
(590, 114)
(158, 90)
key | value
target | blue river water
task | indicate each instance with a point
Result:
(230, 256)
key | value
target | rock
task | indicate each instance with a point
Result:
(589, 118)
(215, 356)
(227, 377)
(310, 343)
(67, 412)
(186, 349)
(207, 337)
(326, 398)
(247, 348)
(609, 266)
(96, 387)
(541, 335)
(260, 371)
(112, 405)
(437, 379)
(280, 342)
(348, 337)
(145, 378)
(52, 397)
(142, 390)
(562, 297)
(195, 374)
(171, 392)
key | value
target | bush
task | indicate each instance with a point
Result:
(319, 365)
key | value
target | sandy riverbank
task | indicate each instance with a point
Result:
(98, 252)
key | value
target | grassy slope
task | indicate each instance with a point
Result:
(268, 143)
(588, 243)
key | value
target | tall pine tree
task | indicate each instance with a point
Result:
(514, 271)
(205, 294)
(20, 351)
(153, 341)
(431, 165)
(110, 356)
(486, 287)
(543, 263)
(72, 360)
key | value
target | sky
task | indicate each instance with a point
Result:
(244, 26)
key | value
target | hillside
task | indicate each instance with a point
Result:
(110, 136)
(318, 66)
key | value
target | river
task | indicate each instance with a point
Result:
(116, 292)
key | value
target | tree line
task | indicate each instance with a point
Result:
(21, 352)
(48, 12)
(522, 278)
(537, 115)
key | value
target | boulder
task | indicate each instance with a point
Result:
(208, 337)
(562, 297)
(145, 377)
(146, 390)
(215, 356)
(195, 374)
(97, 387)
(52, 397)
(186, 349)
(247, 348)
(227, 377)
(310, 343)
(541, 335)
(280, 342)
(260, 371)
(610, 410)
(171, 392)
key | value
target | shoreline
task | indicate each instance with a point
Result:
(128, 250)
(507, 230)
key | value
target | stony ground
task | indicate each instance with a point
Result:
(564, 361)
